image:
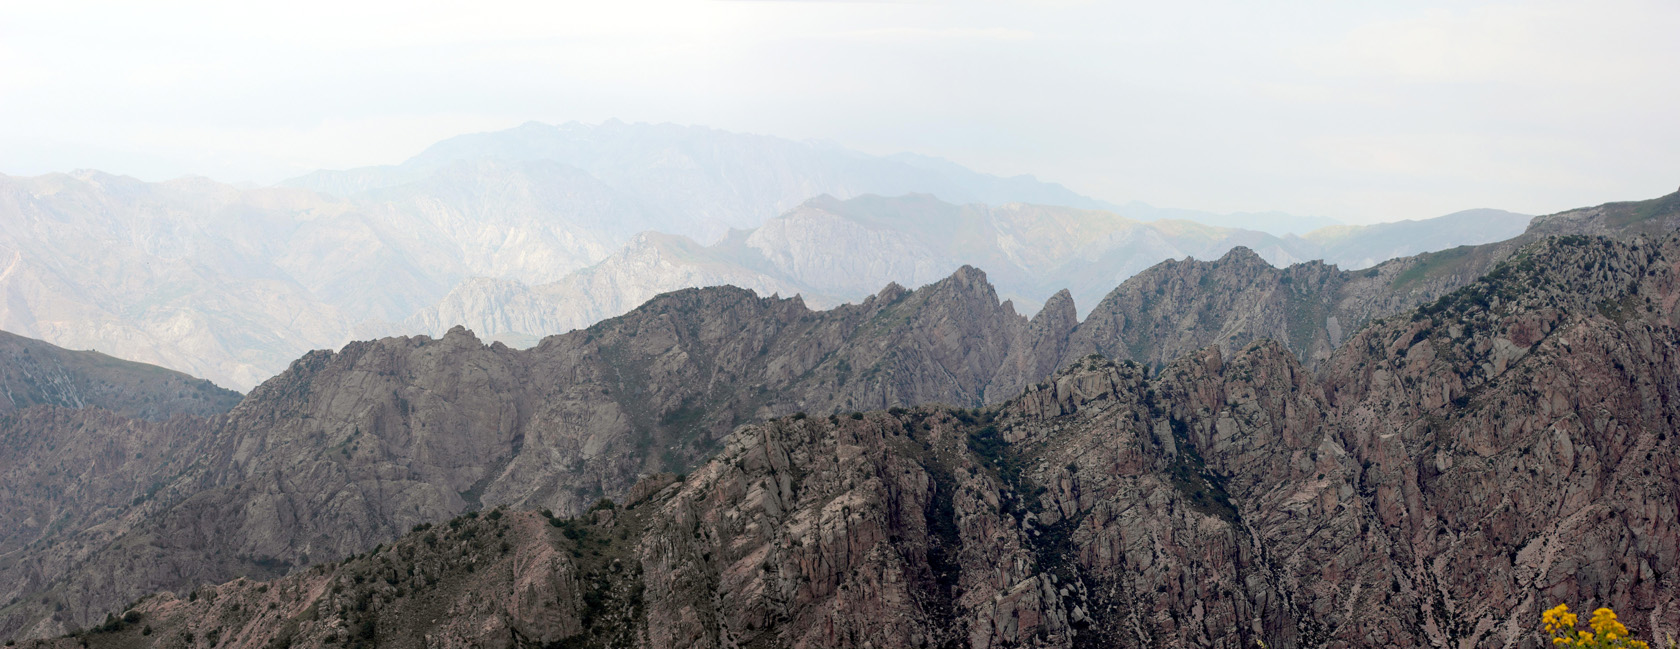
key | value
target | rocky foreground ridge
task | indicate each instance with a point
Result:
(347, 450)
(1443, 477)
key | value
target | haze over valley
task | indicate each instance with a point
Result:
(543, 229)
(697, 324)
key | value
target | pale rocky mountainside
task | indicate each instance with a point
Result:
(179, 274)
(35, 373)
(232, 284)
(347, 449)
(1362, 246)
(650, 264)
(1450, 473)
(831, 251)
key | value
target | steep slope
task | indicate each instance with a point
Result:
(33, 372)
(85, 441)
(1451, 473)
(78, 478)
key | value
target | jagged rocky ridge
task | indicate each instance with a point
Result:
(1448, 474)
(317, 464)
(348, 449)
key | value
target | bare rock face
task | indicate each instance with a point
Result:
(1447, 475)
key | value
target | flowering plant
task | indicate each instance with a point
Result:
(1604, 630)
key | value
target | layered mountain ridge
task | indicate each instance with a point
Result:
(349, 449)
(831, 251)
(533, 229)
(1446, 474)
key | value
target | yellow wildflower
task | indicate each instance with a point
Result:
(1606, 631)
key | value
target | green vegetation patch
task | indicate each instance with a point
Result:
(1190, 476)
(1432, 264)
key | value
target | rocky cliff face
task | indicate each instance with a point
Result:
(1447, 475)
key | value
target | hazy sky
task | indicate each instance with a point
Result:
(1357, 110)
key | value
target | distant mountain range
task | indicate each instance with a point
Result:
(541, 229)
(831, 251)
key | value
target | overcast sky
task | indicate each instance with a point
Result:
(1362, 111)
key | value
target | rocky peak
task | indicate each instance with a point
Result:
(1241, 257)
